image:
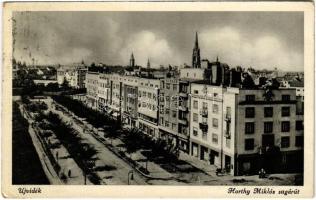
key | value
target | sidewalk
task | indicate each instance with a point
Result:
(119, 174)
(205, 167)
(156, 172)
(65, 161)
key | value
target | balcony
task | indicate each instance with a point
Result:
(183, 94)
(183, 121)
(204, 112)
(183, 108)
(227, 134)
(228, 118)
(204, 126)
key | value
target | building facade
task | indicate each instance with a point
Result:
(241, 131)
(148, 106)
(75, 75)
(92, 85)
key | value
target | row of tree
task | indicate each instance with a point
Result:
(134, 139)
(83, 153)
(94, 117)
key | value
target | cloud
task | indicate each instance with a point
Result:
(147, 45)
(235, 48)
(67, 39)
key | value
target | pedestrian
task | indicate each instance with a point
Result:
(262, 173)
(69, 173)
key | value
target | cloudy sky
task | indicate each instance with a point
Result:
(257, 39)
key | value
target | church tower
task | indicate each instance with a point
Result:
(148, 64)
(148, 68)
(132, 61)
(196, 60)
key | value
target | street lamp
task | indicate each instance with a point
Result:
(130, 175)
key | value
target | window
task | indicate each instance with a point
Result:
(174, 126)
(196, 92)
(195, 117)
(195, 131)
(227, 143)
(268, 127)
(249, 144)
(215, 108)
(286, 97)
(162, 84)
(250, 97)
(204, 105)
(215, 138)
(174, 114)
(250, 112)
(299, 141)
(166, 123)
(299, 125)
(285, 111)
(215, 122)
(228, 112)
(168, 86)
(249, 127)
(204, 135)
(268, 111)
(285, 126)
(285, 142)
(149, 95)
(174, 87)
(195, 104)
(161, 120)
(167, 111)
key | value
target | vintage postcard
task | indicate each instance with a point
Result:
(158, 99)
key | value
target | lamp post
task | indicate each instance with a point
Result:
(130, 176)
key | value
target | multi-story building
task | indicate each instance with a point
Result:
(104, 91)
(174, 110)
(266, 123)
(92, 87)
(75, 75)
(242, 130)
(206, 122)
(116, 95)
(130, 101)
(148, 106)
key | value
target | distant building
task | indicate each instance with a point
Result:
(75, 75)
(196, 60)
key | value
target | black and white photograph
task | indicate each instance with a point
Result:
(163, 98)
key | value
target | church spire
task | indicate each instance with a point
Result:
(196, 60)
(148, 64)
(132, 61)
(196, 40)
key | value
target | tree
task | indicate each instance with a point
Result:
(268, 94)
(248, 81)
(53, 87)
(65, 84)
